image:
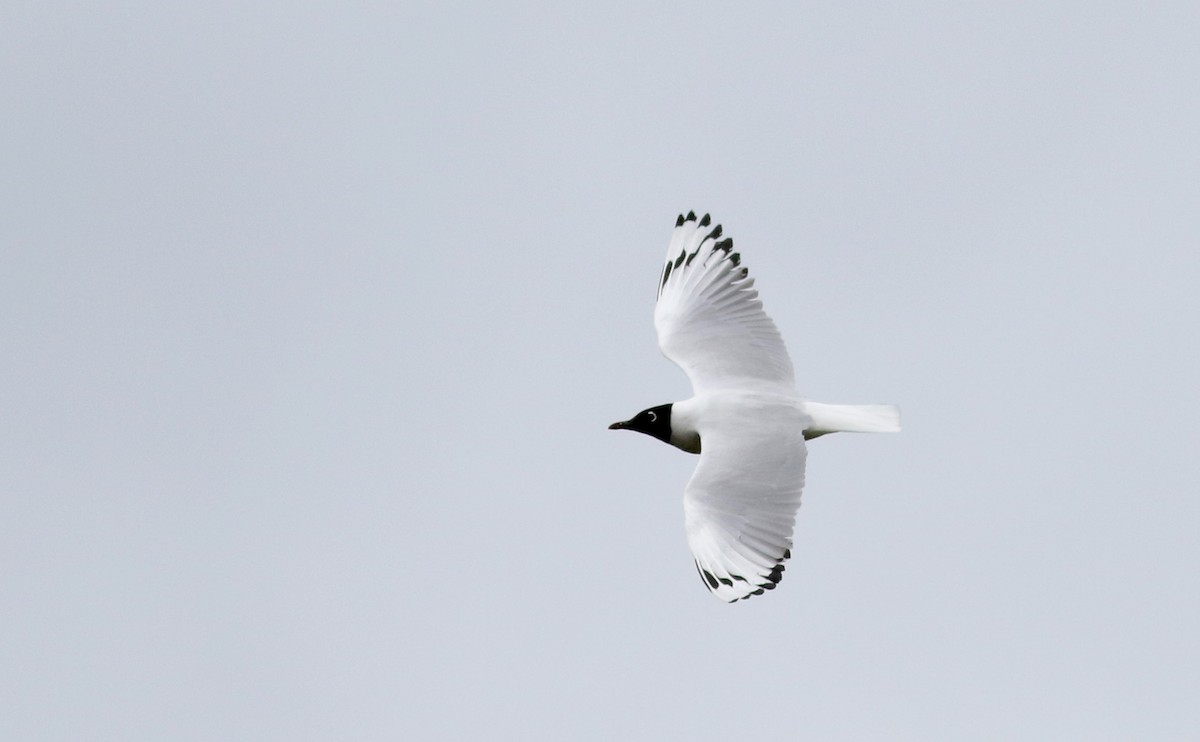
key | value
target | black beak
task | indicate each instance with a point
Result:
(619, 426)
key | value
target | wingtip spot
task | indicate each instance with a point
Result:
(691, 216)
(705, 220)
(679, 221)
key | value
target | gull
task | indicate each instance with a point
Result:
(745, 418)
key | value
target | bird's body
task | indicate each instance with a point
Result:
(745, 418)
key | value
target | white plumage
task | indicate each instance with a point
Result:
(745, 419)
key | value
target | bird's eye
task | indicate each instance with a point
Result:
(653, 416)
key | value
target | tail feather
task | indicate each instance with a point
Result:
(851, 418)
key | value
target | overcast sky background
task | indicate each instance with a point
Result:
(313, 318)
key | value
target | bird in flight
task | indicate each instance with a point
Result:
(745, 419)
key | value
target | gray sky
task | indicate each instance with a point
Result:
(313, 319)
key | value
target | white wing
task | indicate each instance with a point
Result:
(709, 318)
(740, 505)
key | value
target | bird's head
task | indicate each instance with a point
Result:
(655, 422)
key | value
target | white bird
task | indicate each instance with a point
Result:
(745, 418)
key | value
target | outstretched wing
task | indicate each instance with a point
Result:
(709, 318)
(740, 505)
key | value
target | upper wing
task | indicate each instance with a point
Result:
(709, 318)
(740, 505)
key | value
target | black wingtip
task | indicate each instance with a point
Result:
(691, 217)
(705, 220)
(679, 221)
(776, 575)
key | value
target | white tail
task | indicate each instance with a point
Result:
(851, 418)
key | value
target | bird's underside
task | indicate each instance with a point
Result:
(745, 417)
